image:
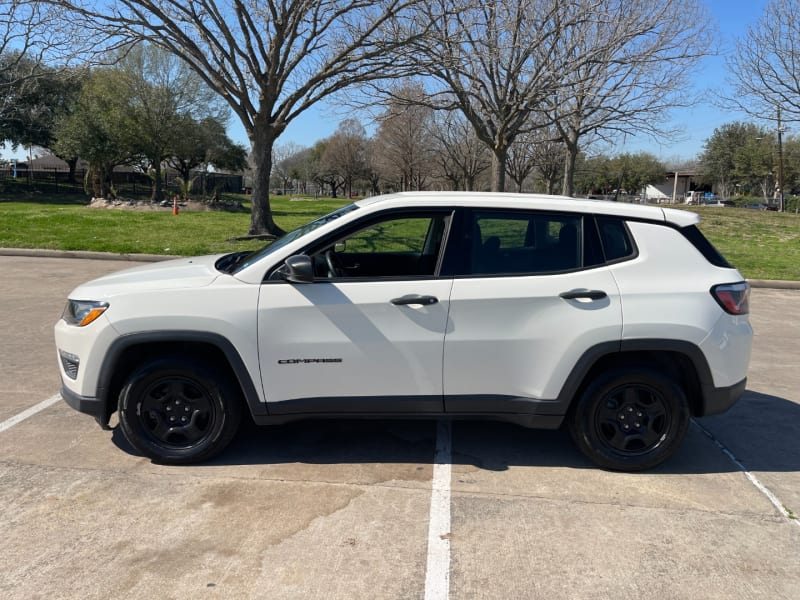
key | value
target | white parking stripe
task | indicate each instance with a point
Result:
(9, 423)
(753, 479)
(437, 572)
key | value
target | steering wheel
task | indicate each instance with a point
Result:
(334, 268)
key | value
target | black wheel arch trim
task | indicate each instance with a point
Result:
(688, 349)
(125, 342)
(590, 358)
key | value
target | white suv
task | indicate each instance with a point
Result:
(620, 320)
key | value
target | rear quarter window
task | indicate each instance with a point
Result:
(706, 248)
(616, 239)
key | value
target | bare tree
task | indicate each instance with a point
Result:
(642, 52)
(28, 40)
(402, 141)
(285, 162)
(521, 160)
(495, 62)
(324, 173)
(346, 152)
(373, 167)
(548, 156)
(269, 59)
(27, 32)
(764, 67)
(460, 156)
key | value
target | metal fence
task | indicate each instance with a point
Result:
(126, 183)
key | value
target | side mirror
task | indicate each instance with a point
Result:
(298, 269)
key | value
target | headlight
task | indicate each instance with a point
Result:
(83, 312)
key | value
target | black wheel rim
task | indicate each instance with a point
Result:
(633, 419)
(177, 412)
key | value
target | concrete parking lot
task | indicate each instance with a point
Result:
(386, 509)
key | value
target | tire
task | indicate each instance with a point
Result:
(630, 419)
(179, 411)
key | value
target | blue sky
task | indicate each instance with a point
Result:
(730, 17)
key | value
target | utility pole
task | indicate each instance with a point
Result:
(780, 162)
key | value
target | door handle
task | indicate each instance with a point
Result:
(583, 294)
(415, 299)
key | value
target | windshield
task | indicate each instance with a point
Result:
(292, 236)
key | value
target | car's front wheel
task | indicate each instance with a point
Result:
(630, 419)
(178, 411)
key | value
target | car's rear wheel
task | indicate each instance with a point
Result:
(630, 419)
(179, 411)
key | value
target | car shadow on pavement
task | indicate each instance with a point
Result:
(760, 431)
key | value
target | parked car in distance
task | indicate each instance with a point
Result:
(761, 206)
(620, 321)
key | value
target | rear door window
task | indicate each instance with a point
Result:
(517, 242)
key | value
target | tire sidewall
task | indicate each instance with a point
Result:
(583, 426)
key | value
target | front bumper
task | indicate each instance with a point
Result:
(87, 405)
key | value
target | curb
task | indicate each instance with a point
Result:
(36, 253)
(775, 284)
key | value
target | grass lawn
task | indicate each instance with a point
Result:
(761, 244)
(69, 225)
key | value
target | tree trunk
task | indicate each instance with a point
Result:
(72, 165)
(499, 169)
(157, 192)
(100, 177)
(262, 140)
(96, 178)
(551, 184)
(186, 172)
(569, 168)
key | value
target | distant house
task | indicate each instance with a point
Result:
(654, 194)
(675, 188)
(50, 162)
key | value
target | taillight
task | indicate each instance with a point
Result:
(734, 298)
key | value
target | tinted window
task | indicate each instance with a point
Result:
(395, 246)
(524, 243)
(397, 235)
(614, 236)
(699, 241)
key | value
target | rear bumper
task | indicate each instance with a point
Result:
(717, 400)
